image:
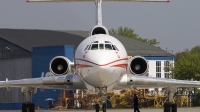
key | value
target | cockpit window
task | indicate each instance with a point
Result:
(94, 47)
(86, 47)
(108, 47)
(101, 46)
(107, 42)
(115, 48)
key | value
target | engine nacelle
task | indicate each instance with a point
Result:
(138, 65)
(99, 29)
(60, 65)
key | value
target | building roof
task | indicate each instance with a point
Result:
(27, 39)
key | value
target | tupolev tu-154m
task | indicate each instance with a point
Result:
(100, 64)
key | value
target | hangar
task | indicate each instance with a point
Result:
(19, 48)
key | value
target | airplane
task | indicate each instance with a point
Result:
(101, 64)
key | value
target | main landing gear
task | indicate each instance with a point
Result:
(28, 106)
(170, 106)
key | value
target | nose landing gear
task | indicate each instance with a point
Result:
(102, 106)
(102, 102)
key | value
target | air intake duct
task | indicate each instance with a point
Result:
(99, 29)
(138, 65)
(59, 65)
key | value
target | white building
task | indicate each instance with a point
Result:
(158, 65)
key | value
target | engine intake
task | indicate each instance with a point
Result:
(60, 65)
(99, 29)
(138, 65)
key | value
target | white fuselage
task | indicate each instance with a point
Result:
(103, 62)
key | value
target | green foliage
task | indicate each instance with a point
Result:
(187, 64)
(128, 32)
(181, 53)
(197, 97)
(195, 49)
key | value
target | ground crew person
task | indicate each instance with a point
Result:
(136, 103)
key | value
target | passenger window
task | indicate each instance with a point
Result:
(108, 47)
(94, 47)
(101, 46)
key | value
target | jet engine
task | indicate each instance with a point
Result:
(99, 29)
(138, 65)
(60, 65)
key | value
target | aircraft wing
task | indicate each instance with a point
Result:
(136, 81)
(94, 0)
(70, 81)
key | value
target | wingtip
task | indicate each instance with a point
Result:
(27, 0)
(168, 0)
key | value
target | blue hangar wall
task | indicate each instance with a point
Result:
(41, 57)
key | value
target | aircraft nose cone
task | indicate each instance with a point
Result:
(102, 58)
(102, 73)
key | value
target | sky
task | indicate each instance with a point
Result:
(176, 25)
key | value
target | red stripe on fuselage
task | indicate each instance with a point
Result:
(101, 64)
(87, 66)
(120, 65)
(82, 66)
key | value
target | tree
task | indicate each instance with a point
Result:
(195, 49)
(187, 65)
(128, 32)
(177, 55)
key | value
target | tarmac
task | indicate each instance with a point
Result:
(186, 109)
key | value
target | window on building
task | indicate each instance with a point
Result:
(158, 69)
(167, 75)
(166, 70)
(158, 75)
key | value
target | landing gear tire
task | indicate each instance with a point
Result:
(97, 107)
(28, 107)
(104, 107)
(170, 107)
